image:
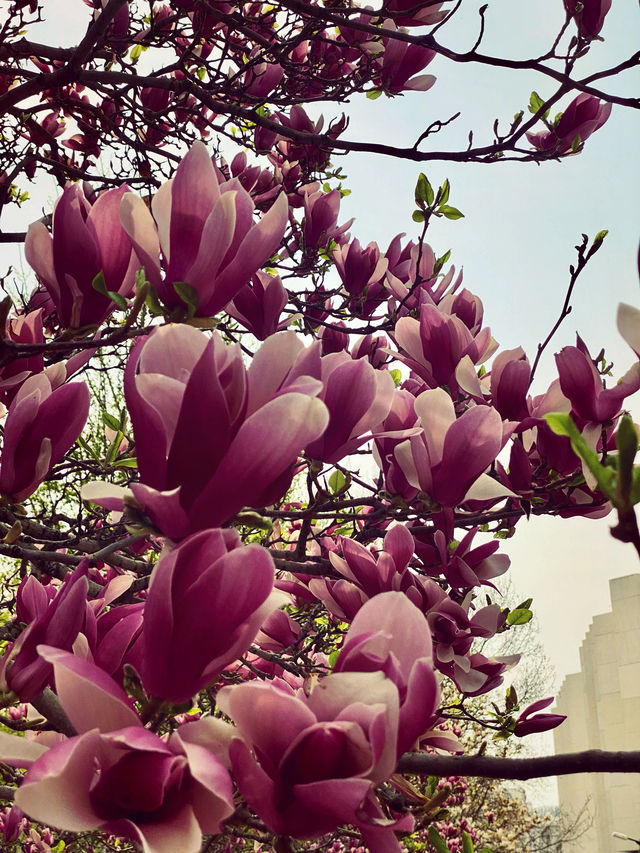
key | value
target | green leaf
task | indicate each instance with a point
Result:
(373, 94)
(189, 296)
(153, 303)
(337, 481)
(467, 843)
(536, 103)
(627, 444)
(128, 462)
(111, 422)
(437, 841)
(577, 142)
(519, 616)
(450, 212)
(441, 261)
(443, 192)
(333, 657)
(136, 52)
(424, 190)
(99, 284)
(417, 216)
(597, 240)
(396, 375)
(562, 424)
(120, 301)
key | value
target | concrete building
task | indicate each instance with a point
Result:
(602, 703)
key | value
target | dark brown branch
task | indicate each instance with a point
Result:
(589, 761)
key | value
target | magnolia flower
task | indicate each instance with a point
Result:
(198, 420)
(584, 115)
(589, 15)
(207, 598)
(43, 423)
(448, 458)
(87, 241)
(206, 233)
(115, 775)
(308, 764)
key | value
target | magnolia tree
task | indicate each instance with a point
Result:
(254, 475)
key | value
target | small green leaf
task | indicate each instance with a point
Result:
(333, 657)
(436, 840)
(373, 94)
(467, 842)
(120, 301)
(597, 240)
(110, 421)
(443, 193)
(99, 284)
(396, 375)
(136, 52)
(577, 142)
(128, 462)
(337, 481)
(153, 303)
(189, 296)
(450, 212)
(519, 616)
(417, 216)
(440, 262)
(424, 190)
(536, 103)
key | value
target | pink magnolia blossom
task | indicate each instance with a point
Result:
(308, 764)
(358, 398)
(582, 385)
(584, 115)
(589, 15)
(87, 240)
(628, 321)
(25, 329)
(43, 423)
(53, 618)
(448, 458)
(434, 346)
(118, 777)
(389, 634)
(356, 395)
(258, 305)
(198, 418)
(396, 66)
(206, 233)
(207, 599)
(321, 220)
(365, 576)
(410, 13)
(529, 722)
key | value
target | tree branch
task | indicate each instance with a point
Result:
(589, 761)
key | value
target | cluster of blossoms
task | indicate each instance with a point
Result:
(208, 647)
